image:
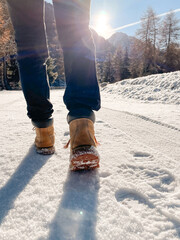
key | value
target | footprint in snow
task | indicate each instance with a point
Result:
(126, 195)
(159, 179)
(141, 209)
(141, 154)
(107, 125)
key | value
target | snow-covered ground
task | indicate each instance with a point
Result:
(135, 195)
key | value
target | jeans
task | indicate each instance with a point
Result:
(81, 95)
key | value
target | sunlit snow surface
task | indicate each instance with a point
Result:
(135, 195)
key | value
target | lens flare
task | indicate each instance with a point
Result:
(101, 24)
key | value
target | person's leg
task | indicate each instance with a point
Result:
(82, 92)
(28, 20)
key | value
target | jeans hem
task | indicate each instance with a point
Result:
(80, 113)
(43, 124)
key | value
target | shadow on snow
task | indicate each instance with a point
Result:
(76, 215)
(30, 165)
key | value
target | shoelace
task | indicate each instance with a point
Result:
(67, 144)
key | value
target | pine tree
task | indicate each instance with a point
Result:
(108, 70)
(125, 67)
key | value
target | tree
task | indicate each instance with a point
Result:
(7, 43)
(55, 62)
(136, 59)
(170, 32)
(117, 64)
(148, 36)
(52, 74)
(125, 66)
(108, 70)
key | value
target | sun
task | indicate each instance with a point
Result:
(101, 24)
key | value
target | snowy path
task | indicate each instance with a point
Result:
(135, 195)
(143, 130)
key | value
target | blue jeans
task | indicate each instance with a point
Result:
(72, 20)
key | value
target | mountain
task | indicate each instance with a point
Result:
(122, 40)
(102, 45)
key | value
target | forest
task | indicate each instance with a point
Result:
(154, 49)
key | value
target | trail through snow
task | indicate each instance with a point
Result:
(135, 195)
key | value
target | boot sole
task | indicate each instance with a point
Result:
(84, 158)
(45, 151)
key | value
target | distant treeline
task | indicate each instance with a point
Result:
(155, 49)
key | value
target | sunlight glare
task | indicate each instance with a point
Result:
(102, 26)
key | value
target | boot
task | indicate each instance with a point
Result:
(83, 153)
(44, 140)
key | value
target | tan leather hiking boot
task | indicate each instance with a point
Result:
(44, 140)
(83, 145)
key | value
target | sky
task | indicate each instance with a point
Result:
(109, 16)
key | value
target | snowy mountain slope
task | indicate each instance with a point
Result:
(135, 195)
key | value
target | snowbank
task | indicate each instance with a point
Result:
(161, 88)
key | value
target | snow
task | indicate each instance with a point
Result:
(161, 88)
(135, 195)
